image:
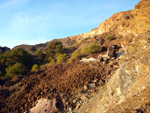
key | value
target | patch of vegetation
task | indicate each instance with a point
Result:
(76, 54)
(35, 68)
(52, 62)
(85, 39)
(42, 66)
(54, 47)
(40, 54)
(61, 58)
(85, 51)
(94, 48)
(110, 37)
(3, 58)
(70, 60)
(18, 55)
(33, 48)
(16, 69)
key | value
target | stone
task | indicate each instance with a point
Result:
(110, 51)
(91, 86)
(85, 87)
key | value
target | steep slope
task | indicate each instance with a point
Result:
(128, 90)
(134, 21)
(130, 81)
(125, 91)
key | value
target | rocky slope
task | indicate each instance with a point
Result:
(94, 86)
(128, 83)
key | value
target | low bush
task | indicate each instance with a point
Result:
(110, 37)
(94, 48)
(40, 54)
(61, 58)
(35, 67)
(52, 62)
(76, 54)
(85, 39)
(85, 51)
(70, 60)
(16, 69)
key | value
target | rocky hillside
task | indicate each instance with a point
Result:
(129, 88)
(134, 21)
(105, 82)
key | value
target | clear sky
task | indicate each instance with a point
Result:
(38, 21)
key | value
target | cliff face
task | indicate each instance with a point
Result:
(134, 21)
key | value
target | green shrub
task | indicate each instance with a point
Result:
(32, 48)
(76, 54)
(85, 39)
(16, 69)
(35, 67)
(18, 55)
(85, 51)
(50, 58)
(94, 48)
(70, 60)
(110, 37)
(42, 66)
(53, 48)
(52, 62)
(3, 58)
(61, 58)
(40, 54)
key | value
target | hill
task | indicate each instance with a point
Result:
(104, 70)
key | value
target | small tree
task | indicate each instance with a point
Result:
(16, 69)
(35, 67)
(110, 37)
(53, 48)
(18, 55)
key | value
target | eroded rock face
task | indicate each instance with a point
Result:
(132, 78)
(134, 21)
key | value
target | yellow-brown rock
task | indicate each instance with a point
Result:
(134, 21)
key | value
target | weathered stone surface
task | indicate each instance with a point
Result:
(110, 51)
(130, 79)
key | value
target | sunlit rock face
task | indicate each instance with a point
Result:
(133, 21)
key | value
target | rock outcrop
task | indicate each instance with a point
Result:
(130, 79)
(129, 22)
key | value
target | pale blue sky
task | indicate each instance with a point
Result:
(38, 21)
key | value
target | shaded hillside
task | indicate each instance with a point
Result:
(3, 50)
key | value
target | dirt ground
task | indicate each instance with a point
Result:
(67, 78)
